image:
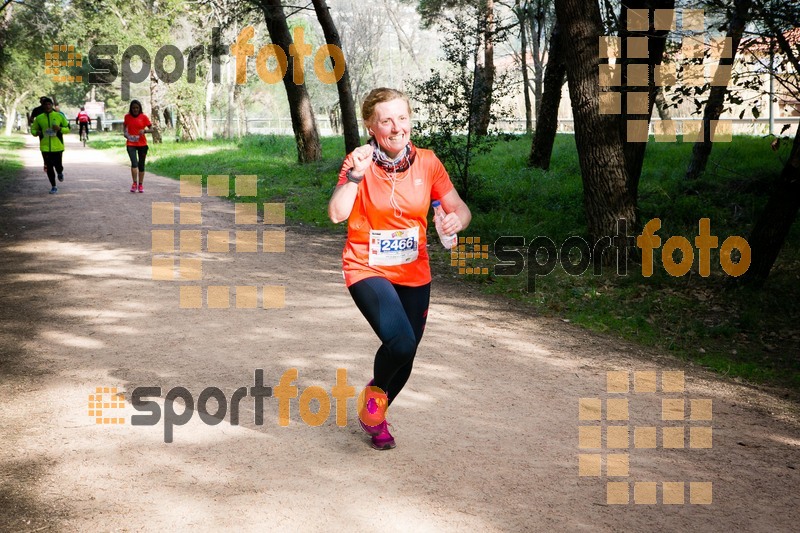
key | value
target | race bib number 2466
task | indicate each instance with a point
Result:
(393, 247)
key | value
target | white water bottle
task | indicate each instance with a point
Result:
(448, 241)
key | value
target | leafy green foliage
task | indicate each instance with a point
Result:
(449, 103)
(26, 33)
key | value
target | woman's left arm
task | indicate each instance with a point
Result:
(458, 214)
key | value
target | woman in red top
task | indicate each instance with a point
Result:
(136, 125)
(384, 191)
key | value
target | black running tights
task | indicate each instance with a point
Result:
(397, 313)
(52, 160)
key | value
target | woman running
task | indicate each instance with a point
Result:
(136, 125)
(384, 191)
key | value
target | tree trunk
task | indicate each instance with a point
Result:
(11, 119)
(155, 108)
(231, 102)
(524, 46)
(241, 117)
(536, 14)
(661, 104)
(547, 117)
(208, 125)
(773, 225)
(303, 122)
(484, 79)
(186, 125)
(405, 41)
(600, 148)
(352, 139)
(196, 125)
(634, 151)
(716, 99)
(11, 114)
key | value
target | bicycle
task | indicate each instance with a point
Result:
(84, 136)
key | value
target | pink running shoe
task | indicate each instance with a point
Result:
(384, 439)
(141, 188)
(133, 188)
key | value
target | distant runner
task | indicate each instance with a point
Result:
(47, 126)
(136, 125)
(83, 121)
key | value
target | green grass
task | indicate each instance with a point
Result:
(304, 190)
(10, 162)
(740, 332)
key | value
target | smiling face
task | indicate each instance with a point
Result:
(390, 124)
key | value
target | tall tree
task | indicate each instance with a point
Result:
(163, 14)
(610, 191)
(25, 35)
(349, 119)
(600, 147)
(547, 108)
(485, 71)
(302, 113)
(738, 18)
(432, 11)
(396, 18)
(540, 18)
(520, 10)
(226, 15)
(634, 151)
(776, 20)
(448, 97)
(772, 227)
(362, 30)
(155, 108)
(16, 84)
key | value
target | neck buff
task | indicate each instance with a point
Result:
(401, 163)
(391, 167)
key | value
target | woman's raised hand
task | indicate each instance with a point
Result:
(362, 158)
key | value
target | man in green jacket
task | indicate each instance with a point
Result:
(47, 126)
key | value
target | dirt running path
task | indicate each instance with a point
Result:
(487, 428)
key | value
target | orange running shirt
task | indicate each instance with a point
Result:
(426, 179)
(135, 125)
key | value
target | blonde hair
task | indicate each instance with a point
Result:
(378, 96)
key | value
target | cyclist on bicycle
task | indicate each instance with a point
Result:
(83, 122)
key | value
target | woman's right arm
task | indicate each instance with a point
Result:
(341, 204)
(128, 136)
(344, 196)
